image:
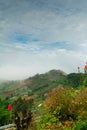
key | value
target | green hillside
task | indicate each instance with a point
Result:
(54, 87)
(41, 84)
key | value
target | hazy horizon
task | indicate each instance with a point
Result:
(39, 35)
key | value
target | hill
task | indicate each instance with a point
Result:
(38, 84)
(41, 84)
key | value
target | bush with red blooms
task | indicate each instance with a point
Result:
(63, 108)
(22, 104)
(22, 112)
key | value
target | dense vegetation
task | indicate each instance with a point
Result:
(5, 114)
(62, 108)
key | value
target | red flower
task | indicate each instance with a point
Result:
(9, 107)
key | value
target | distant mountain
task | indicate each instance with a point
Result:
(43, 82)
(50, 75)
(55, 74)
(2, 81)
(38, 84)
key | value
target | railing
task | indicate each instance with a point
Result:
(6, 126)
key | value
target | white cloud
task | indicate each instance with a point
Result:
(25, 65)
(50, 21)
(83, 44)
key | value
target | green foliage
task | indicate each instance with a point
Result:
(75, 79)
(38, 84)
(65, 106)
(61, 108)
(85, 82)
(46, 120)
(23, 104)
(81, 125)
(58, 107)
(9, 86)
(5, 115)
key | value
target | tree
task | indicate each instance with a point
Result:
(75, 79)
(85, 82)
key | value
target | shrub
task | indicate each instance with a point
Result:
(64, 106)
(82, 125)
(61, 104)
(5, 115)
(85, 82)
(58, 107)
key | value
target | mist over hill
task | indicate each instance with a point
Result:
(41, 84)
(38, 83)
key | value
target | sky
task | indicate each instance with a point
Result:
(39, 35)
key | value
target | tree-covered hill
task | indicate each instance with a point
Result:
(36, 84)
(41, 84)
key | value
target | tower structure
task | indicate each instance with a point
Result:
(78, 69)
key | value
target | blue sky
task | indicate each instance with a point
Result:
(39, 35)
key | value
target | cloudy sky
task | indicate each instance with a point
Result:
(39, 35)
